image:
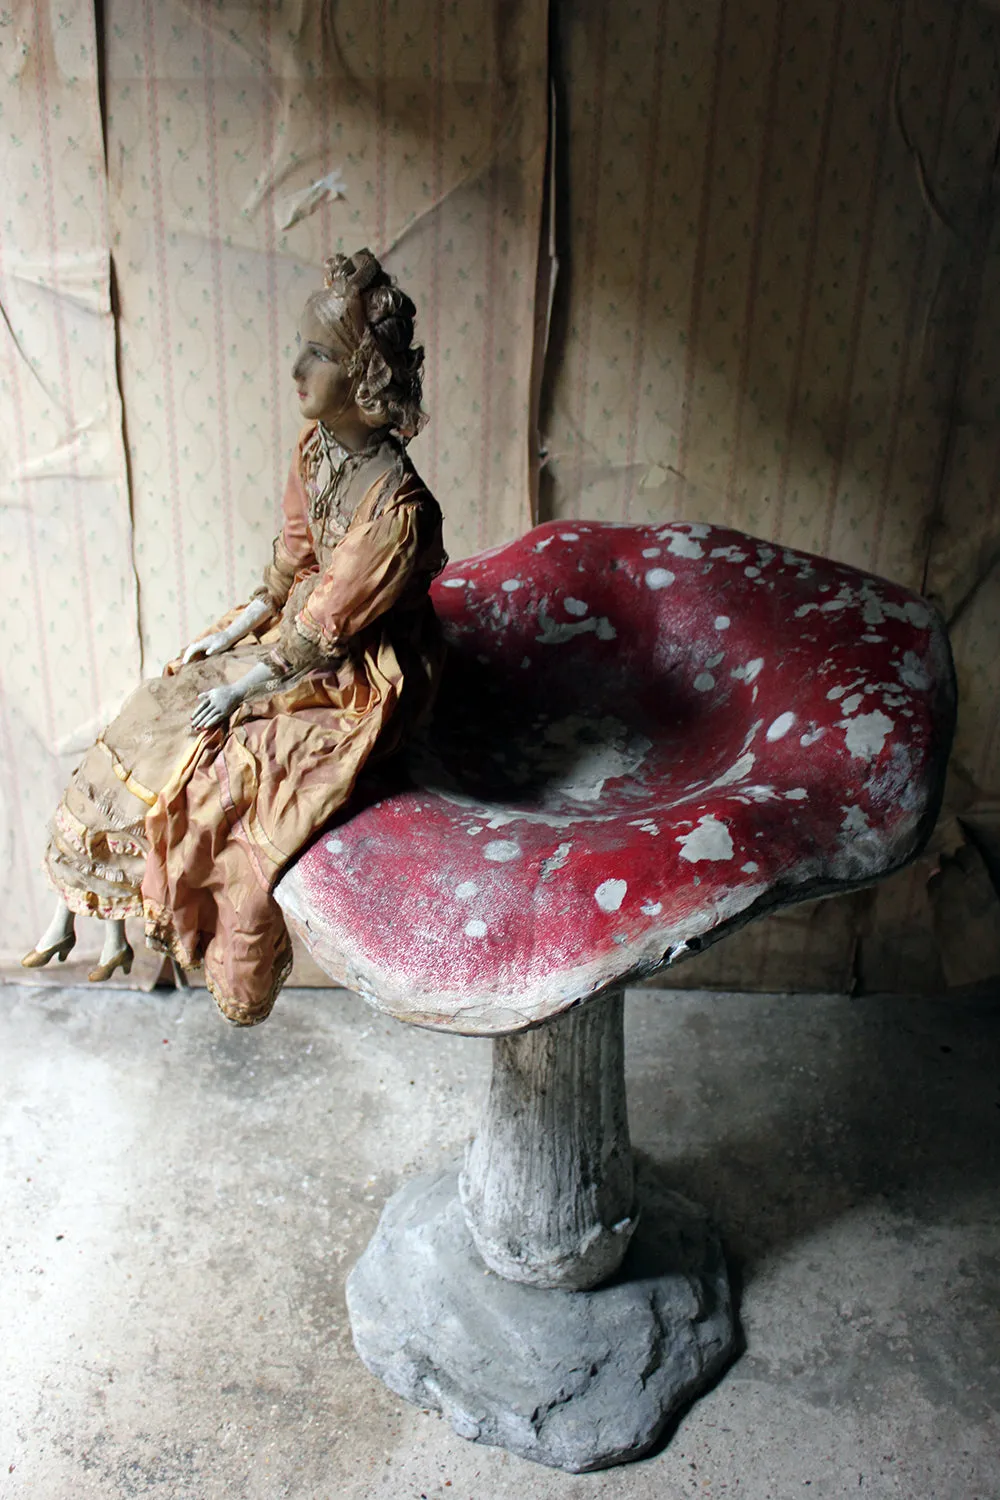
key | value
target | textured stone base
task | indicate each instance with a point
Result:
(577, 1380)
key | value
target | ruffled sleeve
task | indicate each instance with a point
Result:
(293, 546)
(370, 570)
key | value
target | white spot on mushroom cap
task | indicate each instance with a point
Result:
(750, 670)
(811, 736)
(556, 860)
(722, 622)
(736, 772)
(555, 633)
(855, 820)
(709, 840)
(610, 894)
(651, 908)
(650, 551)
(466, 890)
(704, 682)
(575, 607)
(659, 578)
(751, 572)
(797, 794)
(685, 546)
(866, 734)
(913, 674)
(454, 583)
(335, 846)
(781, 726)
(511, 585)
(751, 867)
(501, 851)
(851, 703)
(569, 536)
(476, 928)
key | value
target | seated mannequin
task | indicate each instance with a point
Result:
(189, 806)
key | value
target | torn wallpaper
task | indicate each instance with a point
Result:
(775, 306)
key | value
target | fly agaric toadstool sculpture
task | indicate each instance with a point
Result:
(647, 737)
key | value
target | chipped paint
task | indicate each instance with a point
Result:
(866, 734)
(610, 894)
(709, 840)
(913, 673)
(556, 860)
(685, 546)
(557, 634)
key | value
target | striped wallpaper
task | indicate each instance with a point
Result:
(776, 307)
(771, 275)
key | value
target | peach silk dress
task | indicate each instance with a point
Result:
(192, 830)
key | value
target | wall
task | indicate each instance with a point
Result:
(774, 307)
(773, 221)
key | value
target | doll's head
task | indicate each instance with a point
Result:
(368, 316)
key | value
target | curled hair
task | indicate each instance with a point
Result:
(378, 319)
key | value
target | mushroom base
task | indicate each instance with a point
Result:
(578, 1380)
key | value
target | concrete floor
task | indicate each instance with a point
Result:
(182, 1202)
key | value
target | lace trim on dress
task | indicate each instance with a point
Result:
(245, 1015)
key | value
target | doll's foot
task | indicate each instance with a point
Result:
(39, 957)
(120, 960)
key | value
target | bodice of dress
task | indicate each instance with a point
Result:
(360, 544)
(336, 482)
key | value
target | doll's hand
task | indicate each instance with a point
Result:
(215, 706)
(209, 645)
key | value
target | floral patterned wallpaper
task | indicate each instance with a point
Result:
(775, 306)
(773, 219)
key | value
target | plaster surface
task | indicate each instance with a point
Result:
(579, 1380)
(181, 1204)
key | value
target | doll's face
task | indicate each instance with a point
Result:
(325, 390)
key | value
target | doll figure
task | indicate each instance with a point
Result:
(213, 777)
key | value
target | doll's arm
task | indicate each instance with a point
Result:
(215, 706)
(220, 640)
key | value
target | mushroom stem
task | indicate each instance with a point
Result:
(548, 1186)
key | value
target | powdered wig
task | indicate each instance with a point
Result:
(365, 309)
